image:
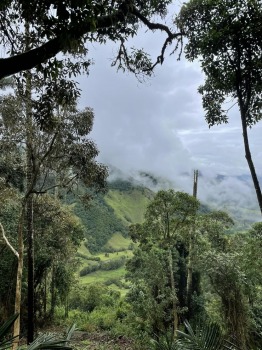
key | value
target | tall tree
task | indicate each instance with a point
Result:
(63, 148)
(225, 37)
(168, 220)
(67, 26)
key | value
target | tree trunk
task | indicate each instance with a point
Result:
(53, 293)
(29, 204)
(16, 331)
(250, 161)
(189, 286)
(30, 277)
(173, 292)
(244, 104)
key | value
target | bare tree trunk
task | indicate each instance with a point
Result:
(250, 161)
(244, 104)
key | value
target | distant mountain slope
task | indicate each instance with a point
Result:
(112, 213)
(126, 202)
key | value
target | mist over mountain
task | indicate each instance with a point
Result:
(234, 194)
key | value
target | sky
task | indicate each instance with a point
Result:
(159, 126)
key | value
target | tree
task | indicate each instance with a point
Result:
(67, 26)
(58, 233)
(225, 37)
(168, 221)
(61, 148)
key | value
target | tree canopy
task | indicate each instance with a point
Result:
(226, 37)
(66, 27)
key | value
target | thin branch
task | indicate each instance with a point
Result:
(49, 150)
(7, 242)
(159, 26)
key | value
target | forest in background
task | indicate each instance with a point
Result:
(117, 279)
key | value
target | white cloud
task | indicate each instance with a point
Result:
(159, 126)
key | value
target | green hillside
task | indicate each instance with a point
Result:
(129, 204)
(112, 213)
(103, 254)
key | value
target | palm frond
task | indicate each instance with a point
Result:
(5, 341)
(208, 337)
(50, 341)
(43, 342)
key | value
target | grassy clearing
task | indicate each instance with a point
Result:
(100, 276)
(117, 241)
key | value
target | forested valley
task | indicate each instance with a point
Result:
(95, 261)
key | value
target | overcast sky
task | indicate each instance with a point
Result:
(159, 126)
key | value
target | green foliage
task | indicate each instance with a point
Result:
(150, 293)
(226, 38)
(108, 217)
(5, 341)
(130, 203)
(9, 213)
(157, 270)
(205, 338)
(65, 27)
(87, 298)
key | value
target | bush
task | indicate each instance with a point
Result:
(87, 298)
(88, 269)
(103, 318)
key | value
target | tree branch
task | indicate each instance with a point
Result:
(7, 242)
(32, 58)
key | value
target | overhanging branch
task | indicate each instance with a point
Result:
(34, 57)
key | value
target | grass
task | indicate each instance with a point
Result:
(102, 276)
(128, 206)
(117, 241)
(83, 250)
(115, 256)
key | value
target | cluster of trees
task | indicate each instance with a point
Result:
(191, 266)
(44, 147)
